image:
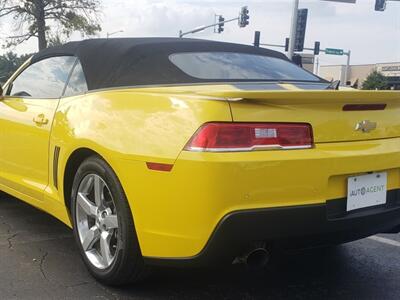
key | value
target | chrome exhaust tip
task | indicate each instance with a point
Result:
(257, 257)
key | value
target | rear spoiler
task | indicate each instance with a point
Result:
(306, 97)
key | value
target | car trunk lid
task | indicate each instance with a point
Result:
(334, 115)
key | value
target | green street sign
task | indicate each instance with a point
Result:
(332, 51)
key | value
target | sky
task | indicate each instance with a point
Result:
(371, 36)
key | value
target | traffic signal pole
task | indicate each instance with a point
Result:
(348, 54)
(293, 29)
(346, 75)
(243, 21)
(201, 28)
(380, 5)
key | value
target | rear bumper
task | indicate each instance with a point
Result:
(291, 227)
(177, 213)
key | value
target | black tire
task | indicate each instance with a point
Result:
(128, 265)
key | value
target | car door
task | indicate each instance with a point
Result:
(26, 115)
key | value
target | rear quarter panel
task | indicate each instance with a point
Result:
(132, 125)
(128, 129)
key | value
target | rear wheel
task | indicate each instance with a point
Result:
(103, 225)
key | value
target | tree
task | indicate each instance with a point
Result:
(55, 40)
(33, 18)
(375, 81)
(9, 63)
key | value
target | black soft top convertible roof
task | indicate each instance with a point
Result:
(140, 61)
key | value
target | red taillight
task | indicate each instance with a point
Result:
(221, 137)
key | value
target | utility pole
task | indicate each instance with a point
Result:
(292, 38)
(295, 16)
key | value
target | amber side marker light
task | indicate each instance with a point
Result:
(361, 107)
(241, 137)
(159, 167)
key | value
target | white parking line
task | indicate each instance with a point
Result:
(385, 240)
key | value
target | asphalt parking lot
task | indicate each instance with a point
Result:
(39, 260)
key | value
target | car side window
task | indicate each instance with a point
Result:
(43, 79)
(77, 82)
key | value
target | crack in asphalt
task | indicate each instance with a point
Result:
(33, 239)
(8, 226)
(9, 240)
(41, 265)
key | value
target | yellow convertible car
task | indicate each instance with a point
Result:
(183, 152)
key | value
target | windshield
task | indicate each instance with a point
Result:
(239, 66)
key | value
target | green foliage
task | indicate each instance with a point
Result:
(55, 40)
(42, 18)
(9, 63)
(375, 81)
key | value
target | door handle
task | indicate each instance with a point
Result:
(40, 120)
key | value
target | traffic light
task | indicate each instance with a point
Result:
(244, 17)
(380, 5)
(287, 44)
(257, 38)
(301, 30)
(221, 24)
(317, 48)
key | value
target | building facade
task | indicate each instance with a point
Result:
(358, 73)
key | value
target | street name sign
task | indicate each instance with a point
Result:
(332, 51)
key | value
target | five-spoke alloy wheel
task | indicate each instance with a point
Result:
(97, 221)
(103, 225)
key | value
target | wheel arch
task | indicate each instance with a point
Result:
(74, 160)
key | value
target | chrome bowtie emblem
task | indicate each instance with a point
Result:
(366, 126)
